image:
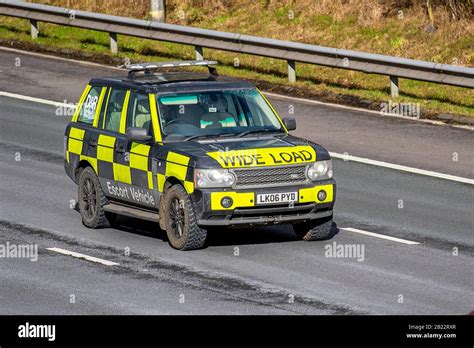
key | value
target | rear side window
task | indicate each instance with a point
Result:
(87, 113)
(113, 112)
(139, 115)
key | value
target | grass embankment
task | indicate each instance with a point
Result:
(370, 26)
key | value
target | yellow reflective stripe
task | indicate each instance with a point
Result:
(177, 158)
(74, 146)
(138, 161)
(122, 173)
(150, 180)
(81, 101)
(161, 182)
(189, 186)
(176, 165)
(278, 156)
(77, 133)
(123, 117)
(92, 161)
(140, 149)
(98, 107)
(106, 140)
(273, 109)
(240, 199)
(105, 109)
(307, 195)
(154, 118)
(105, 153)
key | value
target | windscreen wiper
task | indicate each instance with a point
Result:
(197, 136)
(259, 131)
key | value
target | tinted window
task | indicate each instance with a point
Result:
(114, 109)
(139, 115)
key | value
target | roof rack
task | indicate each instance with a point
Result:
(147, 68)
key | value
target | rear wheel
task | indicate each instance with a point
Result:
(181, 223)
(314, 230)
(91, 200)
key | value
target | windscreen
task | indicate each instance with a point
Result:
(232, 111)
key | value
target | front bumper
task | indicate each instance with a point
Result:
(246, 212)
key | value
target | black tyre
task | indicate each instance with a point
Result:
(314, 230)
(92, 200)
(181, 225)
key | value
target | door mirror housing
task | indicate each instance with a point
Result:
(290, 123)
(139, 135)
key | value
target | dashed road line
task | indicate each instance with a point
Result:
(83, 256)
(377, 235)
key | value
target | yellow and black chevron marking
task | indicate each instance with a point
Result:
(111, 159)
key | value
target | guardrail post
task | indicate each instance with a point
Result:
(34, 29)
(199, 52)
(113, 43)
(291, 71)
(394, 86)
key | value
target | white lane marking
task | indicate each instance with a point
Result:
(402, 168)
(382, 236)
(333, 154)
(83, 256)
(37, 100)
(60, 58)
(317, 102)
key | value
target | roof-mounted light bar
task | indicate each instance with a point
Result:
(147, 68)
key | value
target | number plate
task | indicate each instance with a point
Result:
(276, 198)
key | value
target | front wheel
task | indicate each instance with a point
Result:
(180, 221)
(314, 230)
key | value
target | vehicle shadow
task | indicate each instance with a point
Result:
(220, 236)
(217, 236)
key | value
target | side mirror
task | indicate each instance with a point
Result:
(290, 123)
(138, 134)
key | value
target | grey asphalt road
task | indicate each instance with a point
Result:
(262, 271)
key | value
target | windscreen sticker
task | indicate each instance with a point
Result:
(89, 107)
(264, 157)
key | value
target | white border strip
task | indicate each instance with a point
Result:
(382, 236)
(402, 168)
(82, 256)
(36, 100)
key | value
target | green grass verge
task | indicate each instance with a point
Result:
(320, 82)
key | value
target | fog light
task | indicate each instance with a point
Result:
(226, 202)
(322, 195)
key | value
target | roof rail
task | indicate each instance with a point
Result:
(147, 68)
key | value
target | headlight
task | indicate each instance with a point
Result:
(210, 178)
(321, 170)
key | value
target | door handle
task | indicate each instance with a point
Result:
(121, 149)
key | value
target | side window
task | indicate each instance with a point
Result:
(139, 114)
(87, 113)
(114, 109)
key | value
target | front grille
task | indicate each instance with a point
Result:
(275, 176)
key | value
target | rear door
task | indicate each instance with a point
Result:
(124, 166)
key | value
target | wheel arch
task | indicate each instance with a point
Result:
(83, 163)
